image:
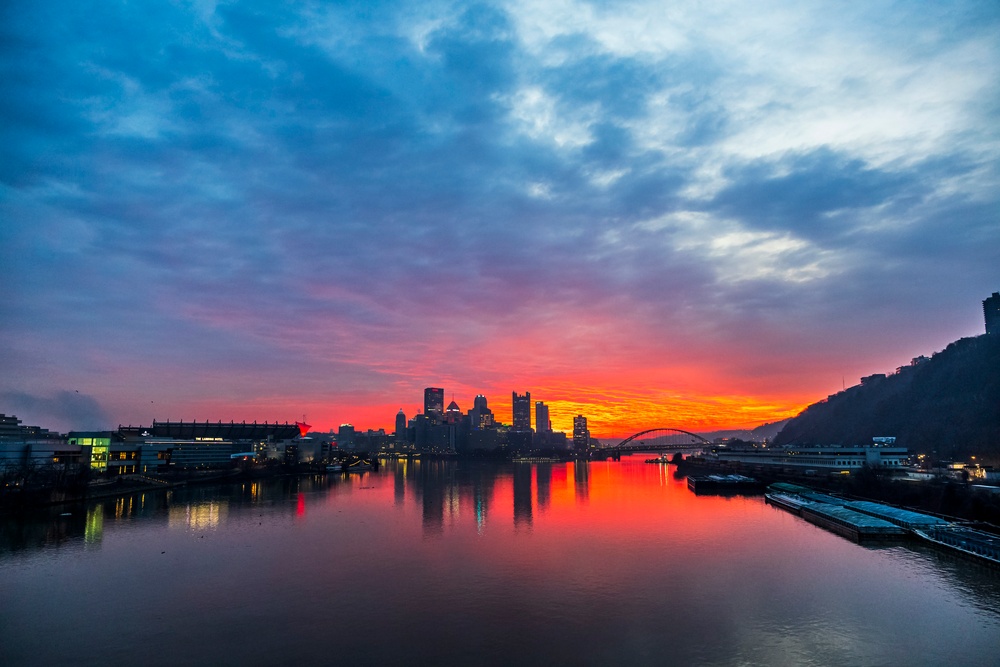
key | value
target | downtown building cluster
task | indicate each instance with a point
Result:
(446, 429)
(31, 453)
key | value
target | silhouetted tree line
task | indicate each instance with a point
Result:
(947, 407)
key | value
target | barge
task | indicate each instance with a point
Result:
(863, 520)
(724, 484)
(855, 526)
(976, 544)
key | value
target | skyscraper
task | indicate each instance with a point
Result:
(581, 434)
(345, 436)
(991, 313)
(542, 423)
(434, 403)
(480, 415)
(400, 428)
(522, 411)
(453, 414)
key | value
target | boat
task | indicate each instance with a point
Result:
(976, 544)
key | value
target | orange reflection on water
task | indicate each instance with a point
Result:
(613, 498)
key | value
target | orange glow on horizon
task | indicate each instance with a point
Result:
(608, 414)
(623, 380)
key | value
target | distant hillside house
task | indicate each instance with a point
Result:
(991, 313)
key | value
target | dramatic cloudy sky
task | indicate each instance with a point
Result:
(684, 214)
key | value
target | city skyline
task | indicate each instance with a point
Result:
(703, 217)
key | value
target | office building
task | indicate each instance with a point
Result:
(345, 436)
(453, 414)
(521, 411)
(581, 434)
(400, 428)
(434, 403)
(542, 422)
(480, 416)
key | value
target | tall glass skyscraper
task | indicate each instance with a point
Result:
(434, 403)
(542, 423)
(522, 411)
(581, 434)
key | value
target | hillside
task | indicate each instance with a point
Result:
(947, 406)
(757, 434)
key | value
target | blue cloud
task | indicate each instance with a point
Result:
(804, 193)
(365, 163)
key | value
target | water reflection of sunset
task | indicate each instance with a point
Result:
(581, 563)
(612, 497)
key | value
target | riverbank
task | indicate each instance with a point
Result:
(78, 491)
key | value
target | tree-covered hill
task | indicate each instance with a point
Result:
(947, 406)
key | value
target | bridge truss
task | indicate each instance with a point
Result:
(633, 444)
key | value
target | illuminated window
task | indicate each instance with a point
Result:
(99, 453)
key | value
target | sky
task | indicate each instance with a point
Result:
(685, 214)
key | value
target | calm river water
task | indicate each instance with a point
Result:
(444, 563)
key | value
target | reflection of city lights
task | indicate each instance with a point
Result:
(480, 514)
(124, 507)
(198, 517)
(452, 503)
(94, 529)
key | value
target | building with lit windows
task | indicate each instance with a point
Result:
(832, 459)
(521, 411)
(182, 445)
(581, 434)
(453, 414)
(99, 443)
(480, 416)
(434, 403)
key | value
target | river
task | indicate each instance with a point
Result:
(471, 563)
